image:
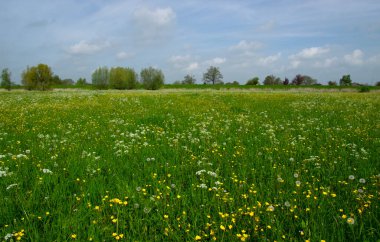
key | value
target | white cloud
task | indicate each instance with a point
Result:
(123, 55)
(309, 53)
(329, 62)
(355, 58)
(157, 17)
(86, 48)
(246, 46)
(179, 58)
(192, 66)
(269, 59)
(153, 25)
(216, 61)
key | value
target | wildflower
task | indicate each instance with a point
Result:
(298, 183)
(198, 237)
(295, 175)
(73, 236)
(222, 227)
(8, 236)
(362, 180)
(350, 221)
(279, 179)
(166, 216)
(287, 204)
(351, 177)
(270, 208)
(147, 210)
(47, 171)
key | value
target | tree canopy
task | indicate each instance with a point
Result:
(38, 77)
(6, 79)
(151, 78)
(213, 75)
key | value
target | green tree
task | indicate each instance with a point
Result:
(100, 78)
(81, 82)
(151, 78)
(345, 80)
(37, 77)
(6, 79)
(307, 80)
(332, 83)
(272, 80)
(377, 84)
(253, 81)
(123, 78)
(189, 79)
(213, 75)
(298, 80)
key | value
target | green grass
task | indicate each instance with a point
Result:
(181, 166)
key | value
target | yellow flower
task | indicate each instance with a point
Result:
(73, 236)
(222, 227)
(350, 221)
(198, 237)
(166, 216)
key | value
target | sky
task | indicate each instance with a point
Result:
(324, 39)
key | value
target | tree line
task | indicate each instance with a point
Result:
(41, 77)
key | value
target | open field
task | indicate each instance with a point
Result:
(187, 165)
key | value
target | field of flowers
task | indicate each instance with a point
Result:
(189, 165)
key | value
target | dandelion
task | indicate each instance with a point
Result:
(350, 221)
(351, 177)
(222, 227)
(147, 210)
(295, 175)
(287, 204)
(362, 180)
(298, 183)
(73, 236)
(270, 208)
(198, 237)
(279, 179)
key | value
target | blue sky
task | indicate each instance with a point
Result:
(324, 39)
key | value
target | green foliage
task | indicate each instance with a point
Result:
(100, 78)
(332, 83)
(272, 80)
(364, 89)
(38, 77)
(377, 84)
(304, 80)
(151, 78)
(123, 78)
(224, 166)
(213, 75)
(189, 79)
(345, 80)
(6, 79)
(254, 81)
(81, 82)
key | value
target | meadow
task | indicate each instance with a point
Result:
(189, 166)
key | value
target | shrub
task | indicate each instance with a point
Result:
(151, 78)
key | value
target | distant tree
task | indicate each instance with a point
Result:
(37, 77)
(100, 78)
(286, 81)
(6, 79)
(177, 82)
(332, 83)
(68, 81)
(345, 80)
(189, 79)
(56, 80)
(81, 82)
(298, 80)
(272, 80)
(377, 84)
(253, 81)
(307, 80)
(213, 75)
(151, 78)
(123, 78)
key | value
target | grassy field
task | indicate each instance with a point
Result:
(189, 165)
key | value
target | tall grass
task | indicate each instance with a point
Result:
(183, 166)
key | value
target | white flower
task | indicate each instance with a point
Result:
(351, 221)
(203, 186)
(295, 175)
(362, 180)
(8, 236)
(298, 183)
(279, 179)
(47, 171)
(287, 204)
(351, 177)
